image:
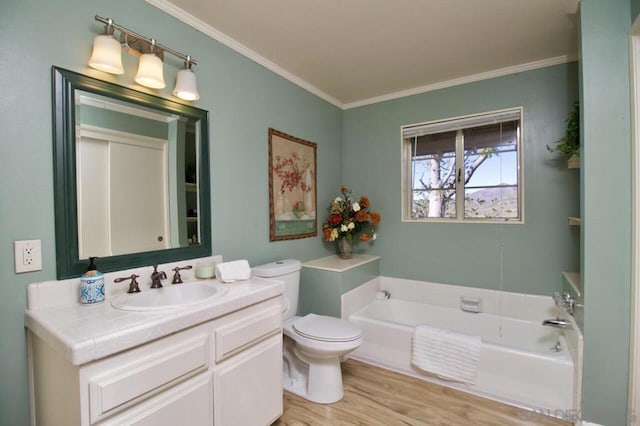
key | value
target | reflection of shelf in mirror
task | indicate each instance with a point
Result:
(191, 187)
(573, 279)
(192, 219)
(573, 162)
(574, 221)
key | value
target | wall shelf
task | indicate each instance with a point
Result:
(573, 162)
(574, 221)
(573, 279)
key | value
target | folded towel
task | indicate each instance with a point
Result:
(229, 272)
(450, 355)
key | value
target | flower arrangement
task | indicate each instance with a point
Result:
(350, 220)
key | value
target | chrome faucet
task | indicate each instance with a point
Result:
(564, 301)
(557, 323)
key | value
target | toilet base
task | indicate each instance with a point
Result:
(323, 385)
(317, 379)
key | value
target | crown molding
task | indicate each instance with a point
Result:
(219, 36)
(463, 80)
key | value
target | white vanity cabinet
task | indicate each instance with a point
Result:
(223, 371)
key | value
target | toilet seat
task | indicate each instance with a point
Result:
(326, 329)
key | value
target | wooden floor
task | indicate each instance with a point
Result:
(375, 396)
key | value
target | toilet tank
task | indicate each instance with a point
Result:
(287, 270)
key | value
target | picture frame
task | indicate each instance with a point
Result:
(292, 187)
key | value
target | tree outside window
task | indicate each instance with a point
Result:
(464, 169)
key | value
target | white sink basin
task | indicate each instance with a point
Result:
(171, 296)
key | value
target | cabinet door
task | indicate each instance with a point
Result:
(189, 403)
(248, 386)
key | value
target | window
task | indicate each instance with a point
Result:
(464, 169)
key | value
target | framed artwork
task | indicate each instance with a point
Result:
(292, 187)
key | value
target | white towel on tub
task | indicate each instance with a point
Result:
(450, 355)
(237, 270)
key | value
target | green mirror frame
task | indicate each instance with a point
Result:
(68, 264)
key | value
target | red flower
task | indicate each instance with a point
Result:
(335, 218)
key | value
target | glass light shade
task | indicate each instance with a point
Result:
(150, 71)
(107, 54)
(186, 87)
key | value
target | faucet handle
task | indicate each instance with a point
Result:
(177, 279)
(564, 301)
(133, 285)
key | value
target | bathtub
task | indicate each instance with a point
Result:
(518, 362)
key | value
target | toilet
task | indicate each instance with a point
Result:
(313, 344)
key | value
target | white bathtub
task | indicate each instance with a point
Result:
(517, 363)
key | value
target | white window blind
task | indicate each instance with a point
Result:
(442, 126)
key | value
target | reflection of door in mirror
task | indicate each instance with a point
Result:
(116, 216)
(136, 178)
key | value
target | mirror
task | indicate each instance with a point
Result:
(131, 177)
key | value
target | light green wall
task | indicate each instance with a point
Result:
(535, 253)
(606, 208)
(115, 120)
(243, 98)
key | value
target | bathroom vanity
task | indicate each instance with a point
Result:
(218, 362)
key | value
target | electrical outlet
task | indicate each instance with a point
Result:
(28, 255)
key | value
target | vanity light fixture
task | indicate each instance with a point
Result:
(150, 69)
(107, 52)
(186, 83)
(107, 56)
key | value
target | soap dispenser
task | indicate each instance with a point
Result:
(92, 285)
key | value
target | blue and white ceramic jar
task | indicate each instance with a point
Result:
(92, 288)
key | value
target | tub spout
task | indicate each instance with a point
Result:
(557, 323)
(383, 295)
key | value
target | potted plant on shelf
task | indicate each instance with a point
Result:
(349, 222)
(570, 143)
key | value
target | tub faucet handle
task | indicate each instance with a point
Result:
(564, 301)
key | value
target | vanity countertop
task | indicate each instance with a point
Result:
(85, 333)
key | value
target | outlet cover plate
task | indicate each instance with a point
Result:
(28, 255)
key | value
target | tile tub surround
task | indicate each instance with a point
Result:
(513, 305)
(84, 333)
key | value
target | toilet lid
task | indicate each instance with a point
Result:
(320, 327)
